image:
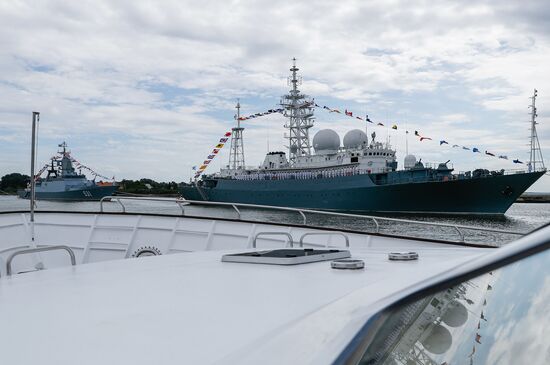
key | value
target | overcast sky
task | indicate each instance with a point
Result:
(146, 88)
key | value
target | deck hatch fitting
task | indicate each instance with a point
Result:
(347, 264)
(403, 256)
(286, 256)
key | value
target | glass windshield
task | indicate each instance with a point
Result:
(500, 317)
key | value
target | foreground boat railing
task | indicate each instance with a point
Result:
(119, 199)
(302, 238)
(346, 239)
(37, 250)
(288, 235)
(182, 203)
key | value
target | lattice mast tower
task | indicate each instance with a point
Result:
(299, 111)
(236, 157)
(535, 157)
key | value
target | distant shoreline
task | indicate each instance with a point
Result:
(534, 198)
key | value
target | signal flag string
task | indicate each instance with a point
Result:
(200, 169)
(416, 133)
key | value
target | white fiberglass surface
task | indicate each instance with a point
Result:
(187, 307)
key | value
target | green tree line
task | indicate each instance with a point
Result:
(148, 186)
(10, 183)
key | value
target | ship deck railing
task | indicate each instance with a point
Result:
(503, 172)
(350, 170)
(384, 225)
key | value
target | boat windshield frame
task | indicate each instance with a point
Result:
(536, 242)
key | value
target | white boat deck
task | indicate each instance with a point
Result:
(191, 308)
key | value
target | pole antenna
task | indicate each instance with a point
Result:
(535, 154)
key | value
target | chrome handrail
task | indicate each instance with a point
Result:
(237, 210)
(375, 219)
(39, 249)
(323, 234)
(273, 234)
(460, 234)
(337, 214)
(119, 199)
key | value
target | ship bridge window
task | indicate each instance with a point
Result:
(465, 318)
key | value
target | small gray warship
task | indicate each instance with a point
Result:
(361, 175)
(64, 183)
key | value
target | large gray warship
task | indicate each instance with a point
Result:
(360, 176)
(64, 183)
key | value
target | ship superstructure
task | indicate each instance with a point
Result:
(358, 154)
(64, 183)
(361, 174)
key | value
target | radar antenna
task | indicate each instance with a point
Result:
(535, 156)
(299, 110)
(64, 146)
(236, 157)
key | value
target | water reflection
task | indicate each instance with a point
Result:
(521, 217)
(496, 318)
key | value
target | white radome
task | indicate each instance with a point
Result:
(438, 341)
(355, 138)
(456, 315)
(410, 161)
(326, 141)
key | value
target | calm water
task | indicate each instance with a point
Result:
(522, 217)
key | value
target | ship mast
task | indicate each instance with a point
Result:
(535, 156)
(236, 157)
(299, 109)
(64, 146)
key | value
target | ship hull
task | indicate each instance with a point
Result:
(491, 195)
(93, 193)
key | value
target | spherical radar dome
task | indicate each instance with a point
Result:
(438, 341)
(326, 141)
(355, 138)
(410, 161)
(456, 315)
